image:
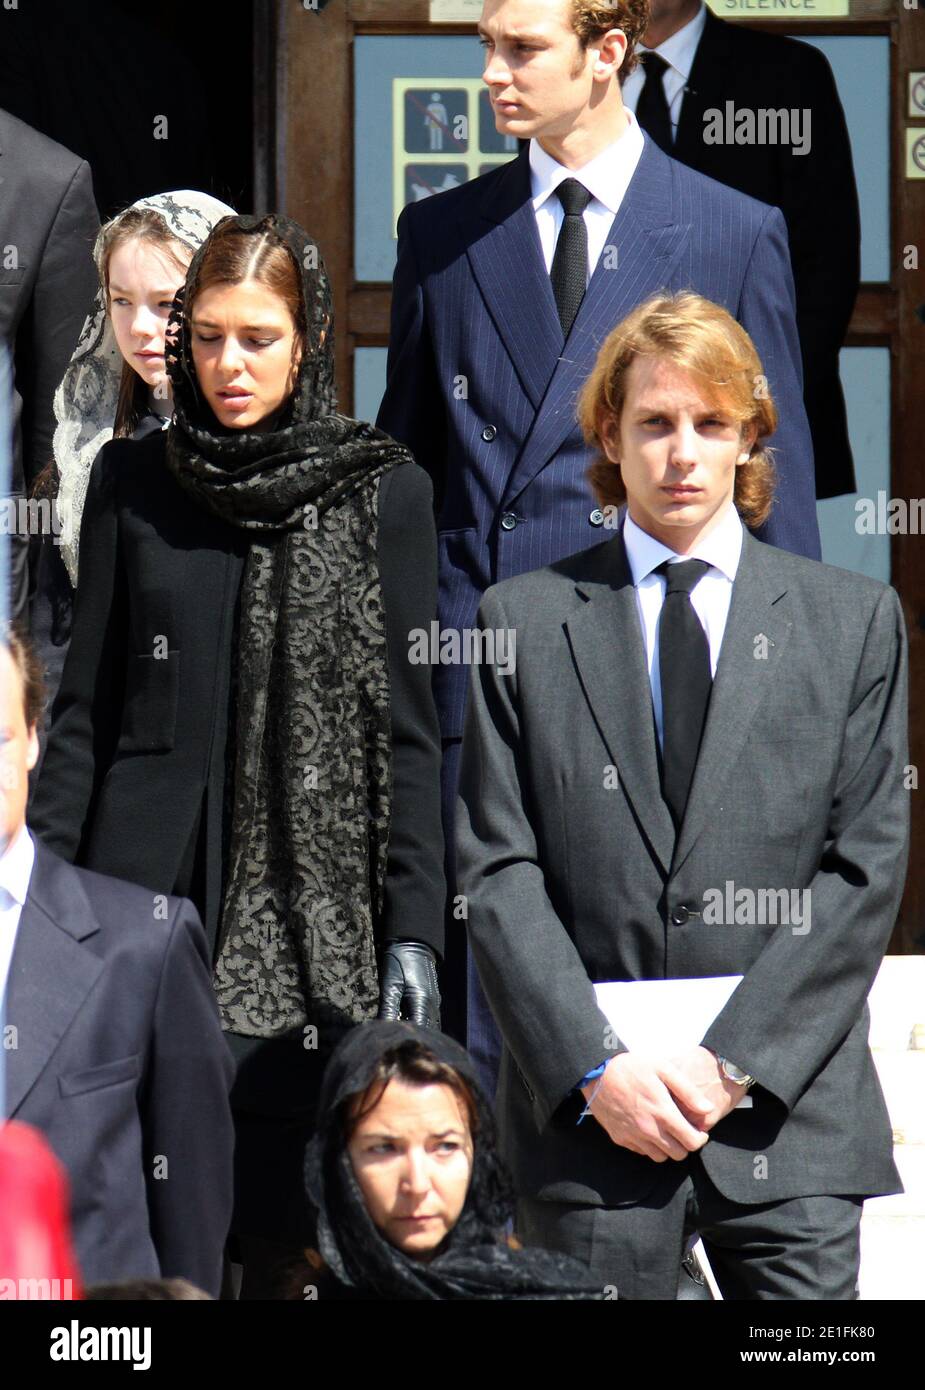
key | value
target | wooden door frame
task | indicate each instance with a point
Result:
(304, 159)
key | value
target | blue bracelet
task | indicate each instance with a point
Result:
(598, 1075)
(591, 1076)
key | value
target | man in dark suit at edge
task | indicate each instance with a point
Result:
(112, 1047)
(702, 62)
(48, 223)
(500, 291)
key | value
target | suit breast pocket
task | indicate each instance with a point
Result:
(455, 541)
(782, 727)
(149, 717)
(117, 1073)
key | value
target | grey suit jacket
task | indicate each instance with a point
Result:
(115, 1052)
(568, 859)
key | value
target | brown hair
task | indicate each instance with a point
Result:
(701, 338)
(31, 676)
(592, 18)
(147, 1290)
(234, 254)
(135, 224)
(416, 1065)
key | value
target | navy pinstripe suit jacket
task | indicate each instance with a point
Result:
(483, 391)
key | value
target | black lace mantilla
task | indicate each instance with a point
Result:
(310, 820)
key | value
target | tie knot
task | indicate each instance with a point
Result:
(654, 64)
(682, 575)
(573, 196)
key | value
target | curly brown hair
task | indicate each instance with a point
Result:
(592, 18)
(702, 338)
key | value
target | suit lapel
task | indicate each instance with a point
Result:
(51, 973)
(606, 641)
(639, 255)
(507, 262)
(757, 630)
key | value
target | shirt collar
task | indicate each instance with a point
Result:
(679, 49)
(606, 176)
(721, 548)
(16, 866)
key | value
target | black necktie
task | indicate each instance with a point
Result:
(652, 109)
(570, 264)
(684, 664)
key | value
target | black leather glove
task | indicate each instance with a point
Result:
(408, 984)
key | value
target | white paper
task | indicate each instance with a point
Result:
(665, 1016)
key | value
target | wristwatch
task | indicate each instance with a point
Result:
(734, 1073)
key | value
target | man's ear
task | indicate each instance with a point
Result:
(610, 438)
(611, 50)
(32, 750)
(749, 435)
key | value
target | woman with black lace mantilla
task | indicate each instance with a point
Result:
(239, 722)
(410, 1196)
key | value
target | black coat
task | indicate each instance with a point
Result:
(120, 1062)
(51, 609)
(48, 223)
(815, 191)
(134, 778)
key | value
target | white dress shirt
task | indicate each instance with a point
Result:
(15, 873)
(606, 178)
(710, 598)
(678, 52)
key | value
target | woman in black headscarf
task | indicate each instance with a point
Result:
(411, 1198)
(239, 721)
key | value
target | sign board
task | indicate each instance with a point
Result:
(443, 135)
(470, 11)
(455, 11)
(915, 152)
(780, 9)
(916, 94)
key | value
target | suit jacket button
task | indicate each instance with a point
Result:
(508, 521)
(488, 433)
(680, 915)
(597, 517)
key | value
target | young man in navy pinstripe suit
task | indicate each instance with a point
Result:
(498, 290)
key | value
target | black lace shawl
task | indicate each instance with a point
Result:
(311, 791)
(476, 1260)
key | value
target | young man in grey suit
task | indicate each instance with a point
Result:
(695, 769)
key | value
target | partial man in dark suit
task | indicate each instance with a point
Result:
(502, 299)
(48, 223)
(695, 770)
(112, 1044)
(700, 66)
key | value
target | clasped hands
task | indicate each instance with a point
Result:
(662, 1107)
